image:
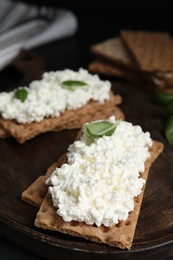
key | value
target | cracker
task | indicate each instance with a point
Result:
(120, 235)
(113, 59)
(36, 192)
(152, 51)
(113, 50)
(3, 133)
(163, 81)
(70, 119)
(102, 67)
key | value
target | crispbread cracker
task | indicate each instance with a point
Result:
(36, 192)
(120, 235)
(3, 133)
(70, 119)
(113, 50)
(102, 67)
(152, 51)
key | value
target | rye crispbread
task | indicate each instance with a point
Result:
(152, 51)
(113, 50)
(3, 133)
(36, 192)
(113, 60)
(70, 119)
(120, 235)
(101, 67)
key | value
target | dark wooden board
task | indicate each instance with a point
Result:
(20, 165)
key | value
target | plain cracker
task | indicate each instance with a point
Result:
(113, 50)
(3, 133)
(152, 51)
(102, 67)
(36, 192)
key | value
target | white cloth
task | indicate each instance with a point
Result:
(24, 26)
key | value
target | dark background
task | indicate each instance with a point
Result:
(108, 15)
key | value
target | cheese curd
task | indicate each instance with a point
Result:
(47, 97)
(101, 179)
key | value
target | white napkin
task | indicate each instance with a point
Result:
(24, 26)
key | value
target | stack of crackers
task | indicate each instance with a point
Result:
(137, 56)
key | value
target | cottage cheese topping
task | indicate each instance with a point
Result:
(100, 181)
(47, 97)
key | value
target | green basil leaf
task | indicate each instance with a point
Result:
(21, 94)
(169, 130)
(169, 108)
(73, 84)
(162, 97)
(99, 129)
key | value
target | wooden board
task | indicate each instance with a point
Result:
(20, 165)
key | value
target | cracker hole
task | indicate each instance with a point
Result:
(74, 223)
(94, 225)
(42, 194)
(151, 149)
(52, 224)
(105, 229)
(119, 224)
(128, 223)
(31, 192)
(137, 199)
(44, 210)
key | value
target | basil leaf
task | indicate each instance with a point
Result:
(169, 130)
(73, 84)
(162, 97)
(99, 129)
(21, 94)
(169, 108)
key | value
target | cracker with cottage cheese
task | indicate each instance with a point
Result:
(97, 191)
(60, 100)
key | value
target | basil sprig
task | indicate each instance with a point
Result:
(169, 130)
(101, 128)
(166, 100)
(21, 94)
(162, 97)
(73, 84)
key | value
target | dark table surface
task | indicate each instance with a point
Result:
(94, 26)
